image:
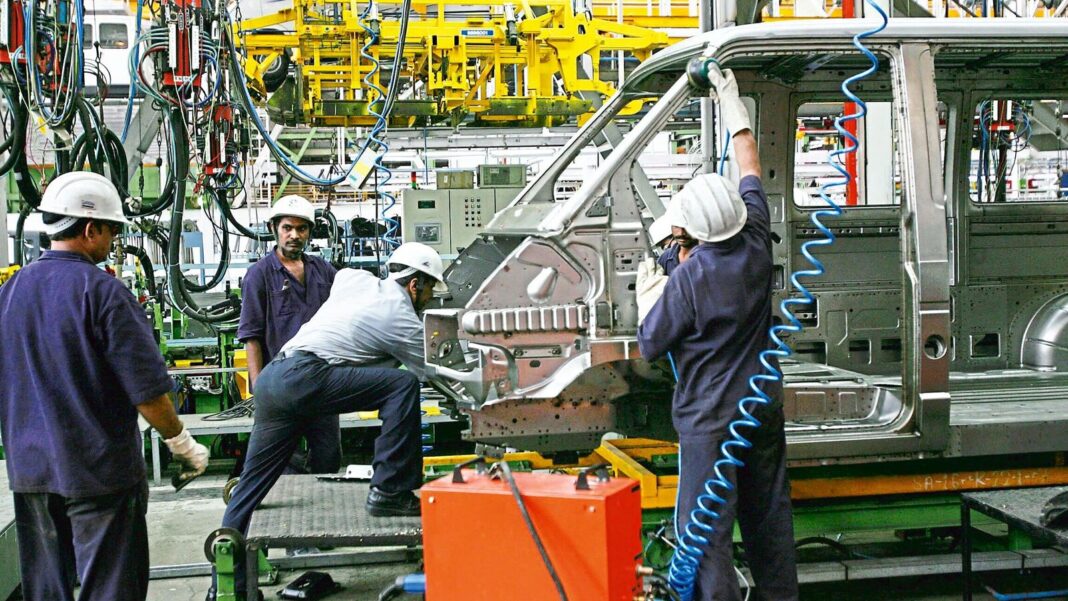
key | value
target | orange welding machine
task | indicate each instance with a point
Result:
(490, 535)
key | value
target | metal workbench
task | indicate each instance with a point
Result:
(1020, 508)
(197, 425)
(303, 511)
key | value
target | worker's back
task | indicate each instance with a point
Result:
(74, 364)
(719, 313)
(367, 321)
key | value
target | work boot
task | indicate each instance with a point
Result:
(381, 503)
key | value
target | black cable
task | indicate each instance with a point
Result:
(176, 281)
(146, 266)
(243, 409)
(228, 213)
(391, 93)
(17, 140)
(224, 256)
(392, 592)
(20, 242)
(506, 472)
(16, 161)
(661, 586)
(843, 551)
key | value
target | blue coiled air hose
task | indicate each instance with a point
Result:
(682, 572)
(375, 137)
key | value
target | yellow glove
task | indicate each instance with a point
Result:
(649, 286)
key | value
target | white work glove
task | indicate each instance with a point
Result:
(731, 110)
(649, 286)
(191, 454)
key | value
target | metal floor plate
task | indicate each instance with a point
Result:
(302, 510)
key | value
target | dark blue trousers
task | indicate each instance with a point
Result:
(101, 541)
(293, 392)
(761, 504)
(323, 434)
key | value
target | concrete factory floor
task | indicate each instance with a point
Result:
(179, 523)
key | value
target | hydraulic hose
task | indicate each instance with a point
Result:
(376, 137)
(224, 254)
(177, 283)
(20, 234)
(682, 573)
(16, 160)
(146, 266)
(16, 143)
(166, 195)
(228, 212)
(241, 86)
(132, 92)
(17, 139)
(100, 147)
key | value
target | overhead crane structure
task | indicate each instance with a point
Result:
(527, 63)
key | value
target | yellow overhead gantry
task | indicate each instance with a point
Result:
(528, 63)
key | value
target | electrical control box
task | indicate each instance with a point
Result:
(502, 176)
(591, 532)
(454, 179)
(449, 220)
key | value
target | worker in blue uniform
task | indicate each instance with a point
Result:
(345, 359)
(679, 242)
(712, 315)
(664, 242)
(79, 363)
(279, 294)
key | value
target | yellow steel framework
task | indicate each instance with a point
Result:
(530, 62)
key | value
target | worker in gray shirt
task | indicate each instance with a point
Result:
(345, 359)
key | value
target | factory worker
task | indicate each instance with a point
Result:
(79, 363)
(279, 294)
(713, 317)
(345, 359)
(660, 232)
(678, 243)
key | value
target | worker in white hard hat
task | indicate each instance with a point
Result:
(712, 315)
(280, 293)
(676, 242)
(660, 232)
(79, 363)
(346, 359)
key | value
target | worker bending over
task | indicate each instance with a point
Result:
(345, 360)
(713, 317)
(280, 293)
(79, 363)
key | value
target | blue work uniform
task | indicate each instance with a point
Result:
(274, 305)
(669, 259)
(713, 318)
(78, 355)
(343, 360)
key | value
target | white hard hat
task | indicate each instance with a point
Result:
(293, 205)
(81, 194)
(418, 257)
(660, 229)
(710, 208)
